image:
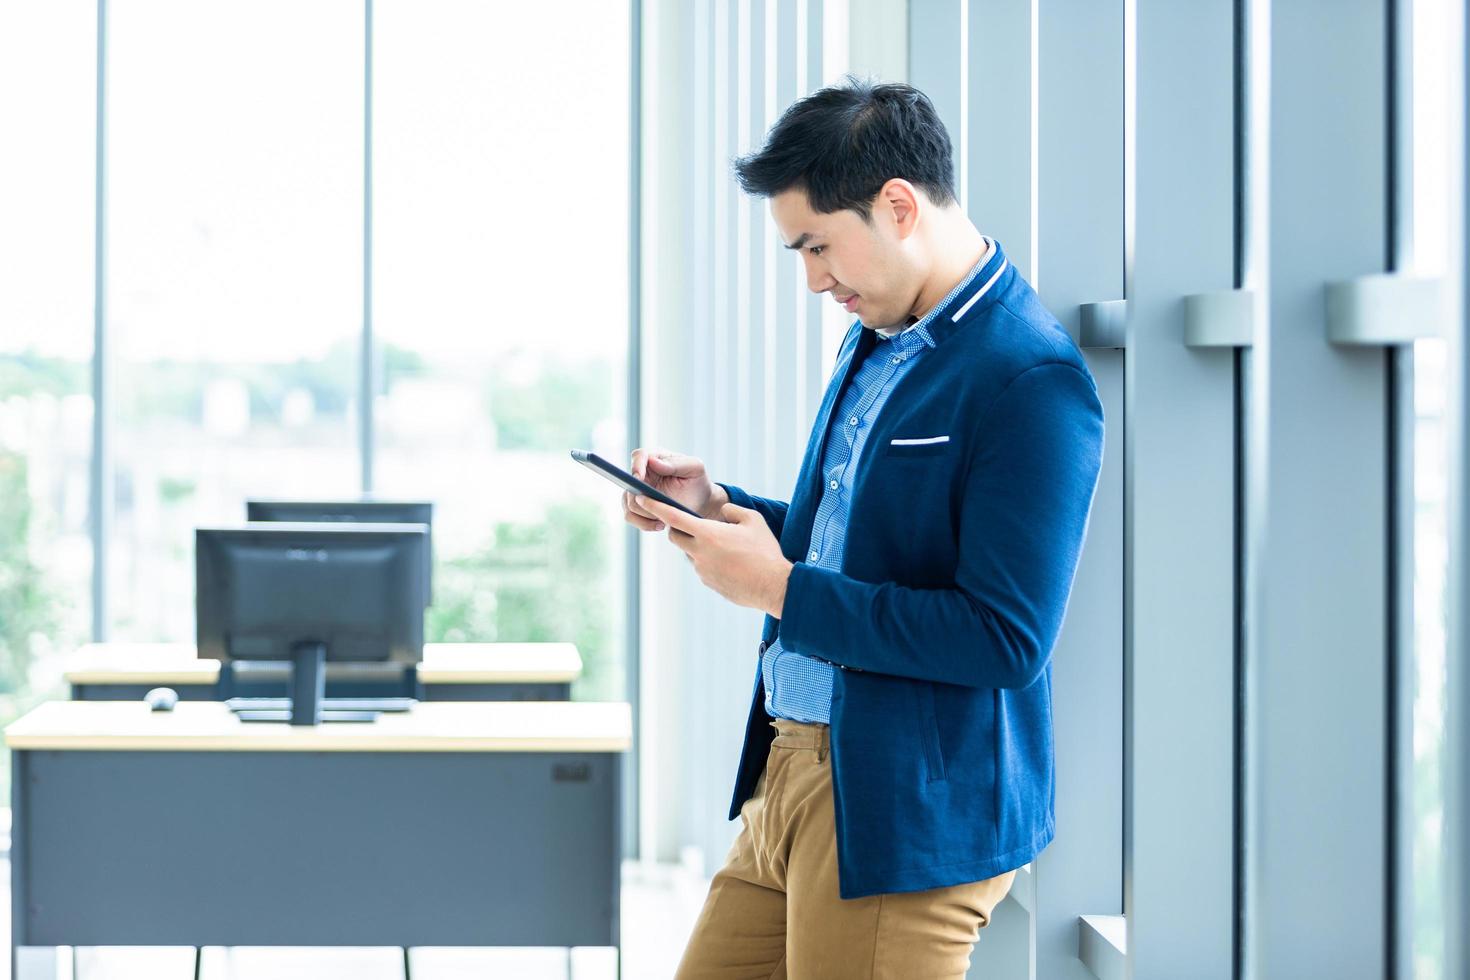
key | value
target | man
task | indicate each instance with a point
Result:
(897, 765)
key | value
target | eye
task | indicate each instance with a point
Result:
(816, 249)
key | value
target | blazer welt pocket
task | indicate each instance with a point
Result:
(929, 731)
(921, 446)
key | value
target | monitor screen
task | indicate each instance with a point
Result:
(352, 512)
(359, 589)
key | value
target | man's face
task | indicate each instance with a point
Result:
(860, 263)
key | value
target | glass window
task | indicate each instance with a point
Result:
(1432, 87)
(500, 299)
(47, 178)
(235, 219)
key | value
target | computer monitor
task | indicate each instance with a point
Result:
(310, 594)
(351, 512)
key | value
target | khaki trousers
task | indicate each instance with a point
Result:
(773, 911)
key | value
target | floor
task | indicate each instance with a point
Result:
(660, 903)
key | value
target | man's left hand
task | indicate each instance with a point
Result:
(737, 556)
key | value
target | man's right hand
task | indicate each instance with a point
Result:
(681, 477)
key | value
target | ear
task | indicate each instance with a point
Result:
(901, 200)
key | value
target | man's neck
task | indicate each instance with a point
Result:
(969, 249)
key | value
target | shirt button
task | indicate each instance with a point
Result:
(833, 485)
(812, 556)
(852, 421)
(896, 359)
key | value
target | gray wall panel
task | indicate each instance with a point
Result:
(1080, 260)
(1457, 729)
(935, 50)
(1080, 155)
(1180, 476)
(1318, 513)
(1001, 200)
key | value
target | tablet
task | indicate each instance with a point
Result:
(624, 479)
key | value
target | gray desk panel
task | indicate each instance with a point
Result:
(315, 849)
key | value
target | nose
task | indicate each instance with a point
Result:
(817, 278)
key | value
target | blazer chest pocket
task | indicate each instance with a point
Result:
(918, 446)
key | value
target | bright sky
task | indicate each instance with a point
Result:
(235, 185)
(1436, 36)
(47, 90)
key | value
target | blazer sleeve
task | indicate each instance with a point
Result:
(1027, 496)
(774, 511)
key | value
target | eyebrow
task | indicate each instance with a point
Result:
(800, 241)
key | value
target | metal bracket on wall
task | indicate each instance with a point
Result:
(1225, 318)
(1103, 324)
(1023, 888)
(1102, 945)
(1384, 309)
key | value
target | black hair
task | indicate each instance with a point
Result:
(842, 143)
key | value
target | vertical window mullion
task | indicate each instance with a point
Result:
(100, 474)
(367, 376)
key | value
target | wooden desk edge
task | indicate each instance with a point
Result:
(310, 743)
(157, 678)
(206, 671)
(210, 675)
(442, 675)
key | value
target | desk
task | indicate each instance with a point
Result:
(449, 672)
(454, 824)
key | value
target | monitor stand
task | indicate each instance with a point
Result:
(307, 704)
(327, 715)
(308, 681)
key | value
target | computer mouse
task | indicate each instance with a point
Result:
(162, 699)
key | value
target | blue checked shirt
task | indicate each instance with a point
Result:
(798, 687)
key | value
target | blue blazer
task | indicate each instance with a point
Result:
(959, 560)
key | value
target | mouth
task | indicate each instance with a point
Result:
(849, 303)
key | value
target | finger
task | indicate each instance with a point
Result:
(654, 461)
(684, 542)
(665, 463)
(735, 514)
(630, 505)
(643, 523)
(672, 516)
(638, 517)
